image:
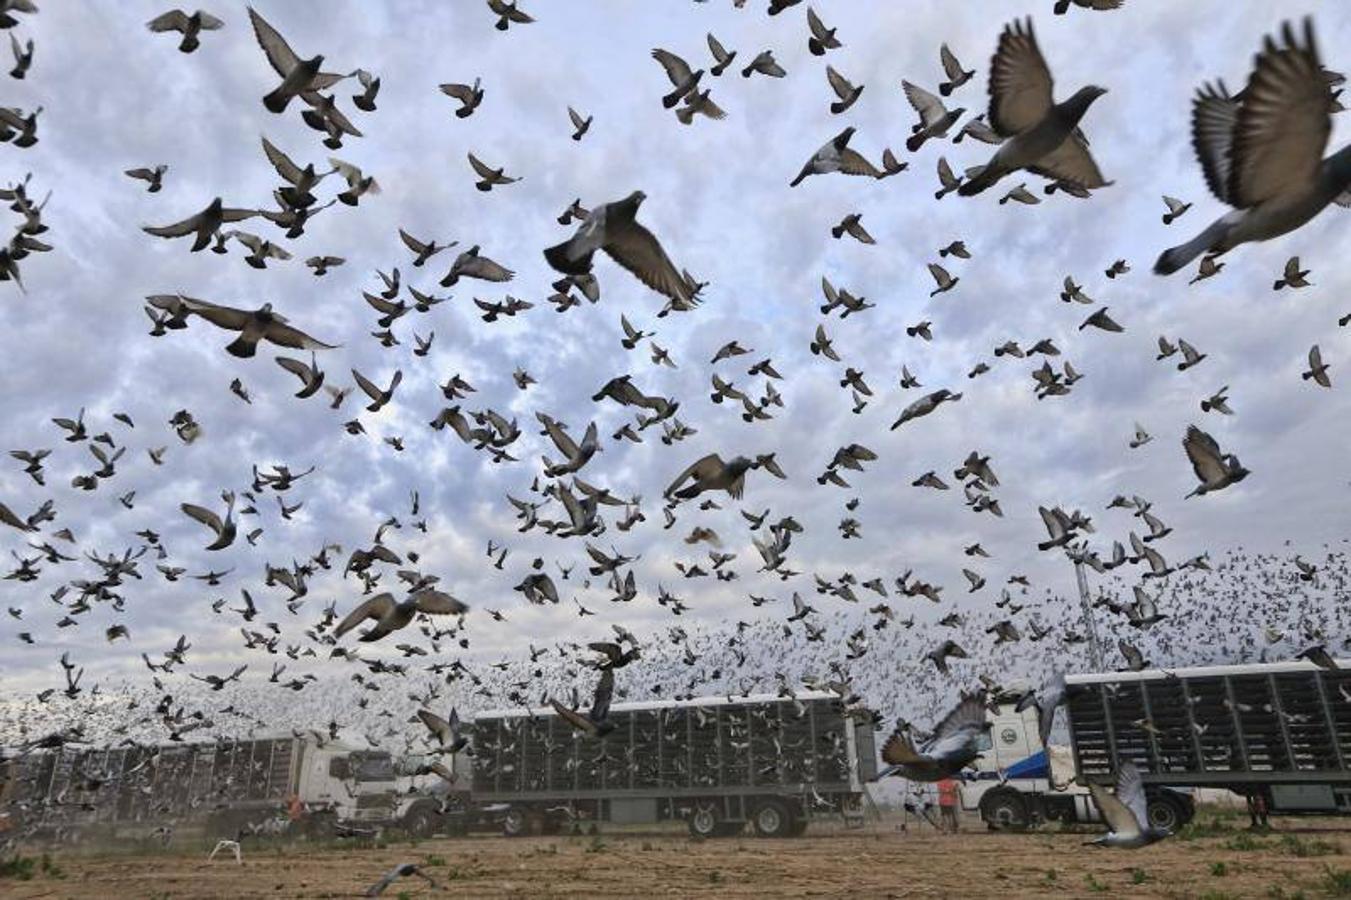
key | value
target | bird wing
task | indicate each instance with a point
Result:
(376, 607)
(1071, 162)
(438, 603)
(486, 269)
(173, 20)
(203, 515)
(716, 48)
(838, 83)
(481, 168)
(699, 470)
(462, 92)
(968, 714)
(1204, 453)
(177, 229)
(284, 165)
(898, 750)
(222, 316)
(1118, 816)
(572, 717)
(412, 243)
(676, 68)
(931, 110)
(367, 385)
(951, 67)
(435, 724)
(1020, 82)
(605, 690)
(288, 336)
(817, 27)
(853, 163)
(1283, 123)
(8, 517)
(637, 249)
(279, 53)
(562, 440)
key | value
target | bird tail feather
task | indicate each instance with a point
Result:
(561, 260)
(277, 101)
(1174, 258)
(979, 182)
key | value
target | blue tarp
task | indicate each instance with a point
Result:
(1038, 765)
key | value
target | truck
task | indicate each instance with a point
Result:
(224, 787)
(1278, 733)
(776, 761)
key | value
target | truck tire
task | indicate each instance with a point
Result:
(772, 819)
(516, 822)
(320, 826)
(1165, 811)
(704, 822)
(421, 821)
(1004, 810)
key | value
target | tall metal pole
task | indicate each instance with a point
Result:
(1094, 648)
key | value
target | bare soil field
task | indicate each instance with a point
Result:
(1212, 859)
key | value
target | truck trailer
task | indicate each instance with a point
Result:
(223, 787)
(716, 762)
(1275, 732)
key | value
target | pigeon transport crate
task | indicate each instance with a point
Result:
(221, 787)
(114, 791)
(716, 762)
(1279, 731)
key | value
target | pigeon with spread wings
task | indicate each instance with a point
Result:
(1215, 469)
(613, 228)
(595, 722)
(955, 743)
(711, 473)
(203, 225)
(1126, 812)
(1041, 135)
(298, 76)
(1261, 151)
(190, 26)
(390, 615)
(262, 324)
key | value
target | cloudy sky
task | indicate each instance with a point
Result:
(115, 96)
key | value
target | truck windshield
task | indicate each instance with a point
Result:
(372, 767)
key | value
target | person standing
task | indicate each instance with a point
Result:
(948, 798)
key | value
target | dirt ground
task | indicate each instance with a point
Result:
(1213, 858)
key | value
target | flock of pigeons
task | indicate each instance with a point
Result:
(1260, 151)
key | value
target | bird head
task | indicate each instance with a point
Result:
(1083, 99)
(767, 462)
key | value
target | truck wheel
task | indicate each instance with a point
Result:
(1164, 812)
(703, 822)
(1004, 811)
(420, 821)
(772, 819)
(516, 822)
(320, 825)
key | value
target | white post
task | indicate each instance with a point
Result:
(1090, 627)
